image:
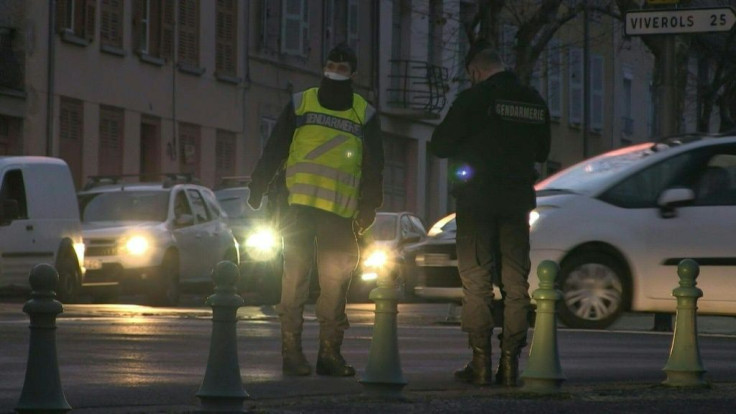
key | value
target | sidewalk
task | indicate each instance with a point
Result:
(154, 364)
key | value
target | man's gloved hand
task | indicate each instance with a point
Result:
(254, 199)
(364, 220)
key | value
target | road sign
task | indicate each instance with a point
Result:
(665, 21)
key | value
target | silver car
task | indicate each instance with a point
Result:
(153, 238)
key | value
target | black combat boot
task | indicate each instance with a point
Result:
(329, 360)
(294, 361)
(478, 371)
(508, 369)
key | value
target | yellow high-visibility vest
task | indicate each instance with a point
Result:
(324, 165)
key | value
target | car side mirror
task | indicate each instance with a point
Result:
(184, 220)
(9, 211)
(672, 198)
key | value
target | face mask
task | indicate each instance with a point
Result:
(336, 76)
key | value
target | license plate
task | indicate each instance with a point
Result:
(92, 264)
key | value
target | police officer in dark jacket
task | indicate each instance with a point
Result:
(493, 134)
(323, 165)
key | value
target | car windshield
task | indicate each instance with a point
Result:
(445, 225)
(124, 206)
(384, 228)
(235, 203)
(585, 176)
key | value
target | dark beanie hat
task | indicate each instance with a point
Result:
(344, 53)
(477, 46)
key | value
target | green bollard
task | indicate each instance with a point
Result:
(383, 376)
(684, 367)
(42, 391)
(222, 388)
(543, 372)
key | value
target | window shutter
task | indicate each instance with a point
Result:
(575, 65)
(224, 154)
(165, 30)
(271, 24)
(111, 141)
(62, 15)
(90, 11)
(189, 144)
(111, 14)
(137, 27)
(554, 81)
(225, 37)
(596, 92)
(188, 48)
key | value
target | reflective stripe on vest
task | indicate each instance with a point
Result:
(324, 165)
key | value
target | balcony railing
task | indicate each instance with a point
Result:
(627, 125)
(418, 87)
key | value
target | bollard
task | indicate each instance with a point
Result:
(383, 376)
(42, 391)
(684, 367)
(222, 388)
(543, 372)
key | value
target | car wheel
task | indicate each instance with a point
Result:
(67, 289)
(593, 289)
(166, 291)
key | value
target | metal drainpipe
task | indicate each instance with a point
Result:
(50, 81)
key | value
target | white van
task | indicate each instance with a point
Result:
(39, 223)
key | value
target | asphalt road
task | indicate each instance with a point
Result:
(130, 358)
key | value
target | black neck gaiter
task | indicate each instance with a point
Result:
(336, 95)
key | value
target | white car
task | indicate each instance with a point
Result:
(39, 223)
(154, 238)
(619, 224)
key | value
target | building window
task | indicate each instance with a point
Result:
(153, 28)
(295, 28)
(110, 156)
(340, 24)
(575, 86)
(150, 147)
(627, 120)
(189, 148)
(111, 23)
(554, 79)
(224, 155)
(508, 44)
(10, 135)
(226, 35)
(394, 174)
(596, 92)
(188, 33)
(352, 24)
(71, 122)
(76, 18)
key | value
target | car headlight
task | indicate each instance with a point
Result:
(262, 244)
(533, 217)
(537, 215)
(137, 245)
(377, 258)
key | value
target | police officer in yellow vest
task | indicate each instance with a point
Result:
(327, 144)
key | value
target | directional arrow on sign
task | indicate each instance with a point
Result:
(661, 21)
